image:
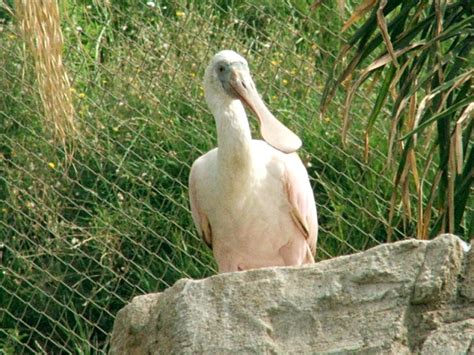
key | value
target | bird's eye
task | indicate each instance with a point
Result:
(221, 69)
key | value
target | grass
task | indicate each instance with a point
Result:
(83, 236)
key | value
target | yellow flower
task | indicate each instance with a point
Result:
(72, 90)
(81, 95)
(52, 165)
(180, 13)
(285, 82)
(274, 62)
(327, 119)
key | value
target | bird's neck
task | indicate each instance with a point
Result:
(234, 141)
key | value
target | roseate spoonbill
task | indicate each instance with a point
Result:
(251, 200)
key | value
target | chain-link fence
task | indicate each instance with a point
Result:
(87, 227)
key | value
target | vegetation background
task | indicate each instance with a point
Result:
(89, 221)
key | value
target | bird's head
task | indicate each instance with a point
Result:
(228, 78)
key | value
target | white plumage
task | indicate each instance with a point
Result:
(251, 200)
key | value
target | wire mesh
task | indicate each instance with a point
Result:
(83, 233)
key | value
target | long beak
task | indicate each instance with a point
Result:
(272, 130)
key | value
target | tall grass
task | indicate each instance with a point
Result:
(39, 23)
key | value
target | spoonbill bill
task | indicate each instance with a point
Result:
(251, 200)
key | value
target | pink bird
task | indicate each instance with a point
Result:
(251, 200)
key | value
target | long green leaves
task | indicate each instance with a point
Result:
(422, 50)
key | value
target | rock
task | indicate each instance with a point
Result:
(135, 318)
(395, 298)
(467, 287)
(454, 338)
(438, 277)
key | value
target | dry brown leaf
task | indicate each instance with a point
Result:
(387, 58)
(421, 228)
(383, 29)
(412, 156)
(466, 114)
(405, 191)
(393, 132)
(346, 119)
(398, 74)
(421, 109)
(451, 181)
(429, 205)
(358, 13)
(366, 147)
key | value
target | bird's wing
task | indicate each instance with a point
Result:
(199, 217)
(301, 199)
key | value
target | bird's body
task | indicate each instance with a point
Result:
(252, 203)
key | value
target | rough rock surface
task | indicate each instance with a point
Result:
(402, 298)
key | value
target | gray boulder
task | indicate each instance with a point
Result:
(407, 297)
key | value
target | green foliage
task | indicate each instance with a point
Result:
(425, 62)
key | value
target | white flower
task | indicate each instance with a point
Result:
(151, 4)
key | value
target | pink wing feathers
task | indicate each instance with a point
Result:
(301, 198)
(200, 219)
